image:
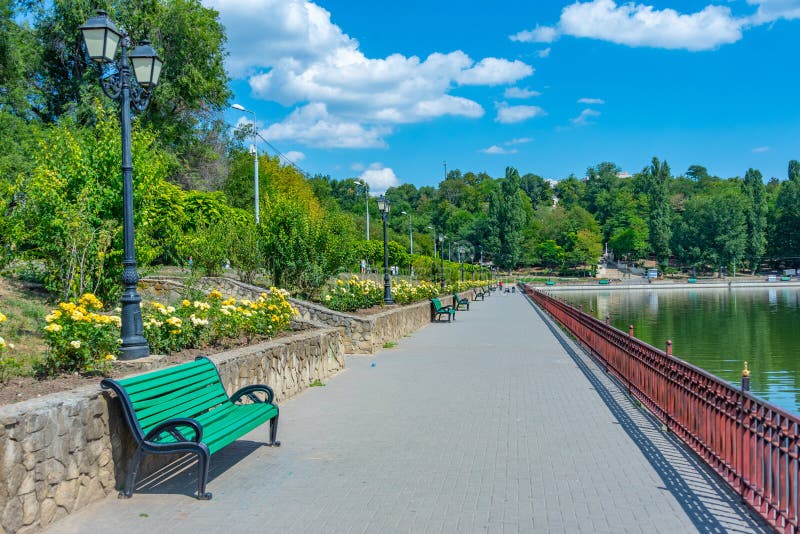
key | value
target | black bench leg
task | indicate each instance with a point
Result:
(130, 480)
(273, 432)
(203, 461)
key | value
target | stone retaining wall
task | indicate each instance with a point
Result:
(363, 334)
(62, 451)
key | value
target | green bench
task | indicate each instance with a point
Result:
(184, 409)
(786, 279)
(439, 310)
(458, 302)
(479, 292)
(549, 283)
(692, 280)
(603, 282)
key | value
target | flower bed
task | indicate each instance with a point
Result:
(353, 293)
(82, 339)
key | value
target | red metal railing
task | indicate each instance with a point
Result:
(752, 444)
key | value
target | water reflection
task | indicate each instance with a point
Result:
(717, 329)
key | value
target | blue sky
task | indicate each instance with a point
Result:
(387, 91)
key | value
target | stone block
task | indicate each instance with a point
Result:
(30, 508)
(47, 511)
(11, 520)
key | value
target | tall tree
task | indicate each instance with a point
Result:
(507, 215)
(657, 179)
(193, 88)
(794, 170)
(787, 215)
(756, 217)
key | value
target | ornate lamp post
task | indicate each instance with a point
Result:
(255, 155)
(442, 237)
(102, 38)
(461, 251)
(383, 206)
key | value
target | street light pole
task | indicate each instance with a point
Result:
(461, 260)
(383, 206)
(101, 38)
(442, 237)
(255, 157)
(366, 201)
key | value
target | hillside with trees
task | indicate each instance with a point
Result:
(60, 192)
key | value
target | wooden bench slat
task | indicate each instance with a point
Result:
(169, 379)
(243, 420)
(145, 403)
(191, 407)
(129, 382)
(160, 389)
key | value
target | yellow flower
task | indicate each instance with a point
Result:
(53, 327)
(88, 300)
(215, 294)
(110, 357)
(185, 303)
(75, 344)
(2, 318)
(2, 343)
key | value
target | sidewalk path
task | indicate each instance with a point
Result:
(492, 423)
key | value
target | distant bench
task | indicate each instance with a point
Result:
(439, 310)
(458, 302)
(184, 409)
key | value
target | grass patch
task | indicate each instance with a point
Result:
(389, 345)
(25, 310)
(316, 384)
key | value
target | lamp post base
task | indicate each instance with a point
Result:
(134, 350)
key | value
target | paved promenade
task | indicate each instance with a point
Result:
(492, 423)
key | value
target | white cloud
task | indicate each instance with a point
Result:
(509, 114)
(544, 52)
(314, 126)
(540, 34)
(298, 57)
(583, 118)
(494, 71)
(495, 150)
(635, 24)
(518, 92)
(641, 25)
(358, 167)
(591, 101)
(295, 156)
(771, 10)
(518, 141)
(761, 149)
(379, 178)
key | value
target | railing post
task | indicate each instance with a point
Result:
(630, 330)
(745, 378)
(669, 347)
(608, 319)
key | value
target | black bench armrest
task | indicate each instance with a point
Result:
(172, 426)
(249, 390)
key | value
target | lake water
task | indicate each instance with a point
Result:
(717, 330)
